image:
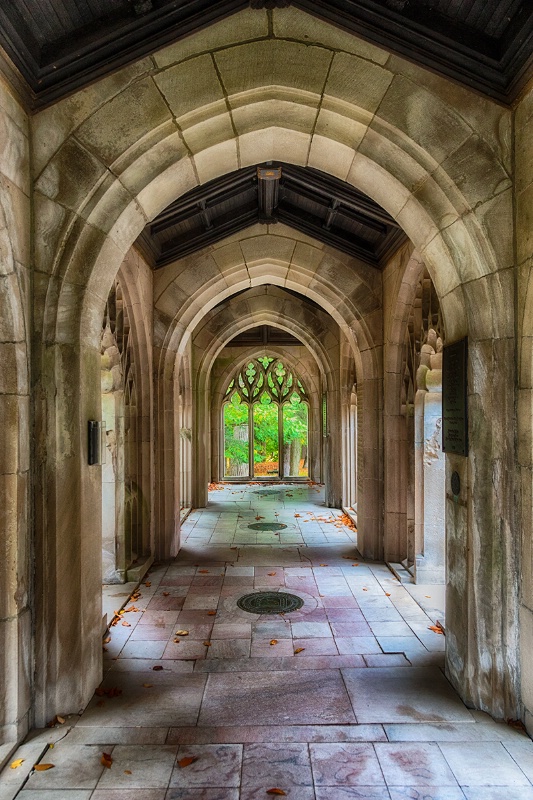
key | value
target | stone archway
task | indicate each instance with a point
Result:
(16, 656)
(398, 151)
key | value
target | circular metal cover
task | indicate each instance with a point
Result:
(270, 603)
(267, 526)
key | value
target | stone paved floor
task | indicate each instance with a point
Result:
(362, 710)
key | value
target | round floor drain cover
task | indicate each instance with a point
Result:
(270, 603)
(267, 526)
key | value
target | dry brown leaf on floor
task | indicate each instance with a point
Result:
(258, 517)
(348, 557)
(273, 641)
(211, 613)
(166, 594)
(177, 641)
(207, 644)
(365, 589)
(387, 594)
(278, 792)
(299, 650)
(187, 761)
(43, 767)
(203, 571)
(271, 574)
(355, 565)
(323, 565)
(126, 624)
(436, 629)
(148, 583)
(157, 668)
(127, 772)
(106, 760)
(181, 633)
(148, 685)
(428, 596)
(107, 640)
(15, 764)
(297, 515)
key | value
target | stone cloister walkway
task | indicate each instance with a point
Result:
(345, 698)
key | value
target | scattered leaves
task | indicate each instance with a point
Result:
(187, 761)
(148, 583)
(106, 760)
(299, 650)
(126, 624)
(355, 565)
(277, 791)
(207, 644)
(271, 574)
(56, 721)
(259, 517)
(15, 764)
(107, 640)
(157, 668)
(182, 633)
(148, 685)
(43, 767)
(297, 515)
(211, 613)
(323, 565)
(127, 772)
(273, 641)
(203, 571)
(166, 594)
(387, 594)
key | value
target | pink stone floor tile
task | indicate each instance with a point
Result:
(262, 647)
(197, 602)
(414, 764)
(166, 604)
(360, 793)
(152, 632)
(229, 630)
(283, 765)
(229, 648)
(339, 602)
(198, 617)
(201, 794)
(357, 644)
(116, 794)
(159, 618)
(292, 792)
(317, 647)
(186, 649)
(317, 697)
(216, 765)
(345, 765)
(344, 615)
(343, 629)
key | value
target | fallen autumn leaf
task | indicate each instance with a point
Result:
(43, 767)
(17, 763)
(187, 761)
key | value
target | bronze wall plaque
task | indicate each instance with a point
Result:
(454, 398)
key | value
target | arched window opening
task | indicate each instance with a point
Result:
(266, 422)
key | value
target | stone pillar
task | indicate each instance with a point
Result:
(431, 558)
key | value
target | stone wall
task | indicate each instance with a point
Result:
(16, 596)
(524, 253)
(262, 87)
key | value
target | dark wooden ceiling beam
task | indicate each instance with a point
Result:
(444, 43)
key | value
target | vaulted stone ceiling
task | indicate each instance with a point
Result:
(319, 205)
(60, 45)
